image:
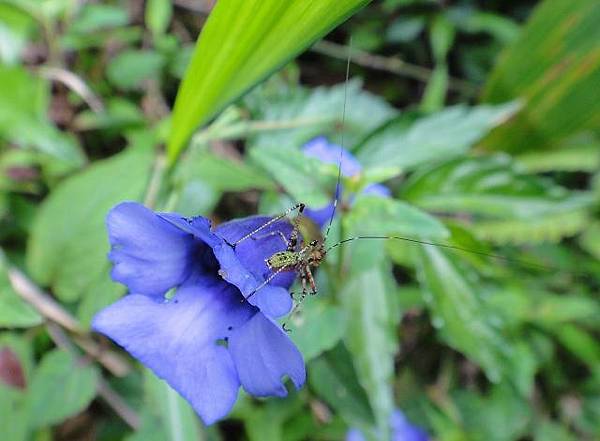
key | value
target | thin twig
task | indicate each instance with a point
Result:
(112, 398)
(155, 180)
(75, 83)
(393, 65)
(53, 311)
(41, 301)
(118, 404)
(243, 129)
(199, 7)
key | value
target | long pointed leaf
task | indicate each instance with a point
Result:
(241, 44)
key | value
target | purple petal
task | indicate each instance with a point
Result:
(329, 153)
(263, 354)
(320, 216)
(178, 340)
(245, 266)
(377, 190)
(404, 430)
(198, 226)
(355, 435)
(150, 255)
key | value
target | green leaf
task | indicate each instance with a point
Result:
(240, 45)
(404, 29)
(167, 414)
(120, 114)
(444, 134)
(503, 28)
(128, 69)
(551, 226)
(442, 37)
(317, 112)
(222, 174)
(16, 27)
(552, 310)
(13, 414)
(579, 342)
(23, 117)
(501, 415)
(552, 431)
(14, 312)
(158, 15)
(68, 243)
(94, 17)
(371, 337)
(373, 215)
(590, 240)
(267, 421)
(334, 379)
(318, 328)
(555, 68)
(304, 178)
(101, 293)
(572, 157)
(435, 92)
(61, 387)
(463, 319)
(489, 186)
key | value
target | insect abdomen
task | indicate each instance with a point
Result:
(283, 259)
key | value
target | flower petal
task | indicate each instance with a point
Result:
(377, 190)
(355, 435)
(245, 265)
(263, 354)
(150, 255)
(404, 430)
(320, 216)
(198, 226)
(178, 340)
(329, 153)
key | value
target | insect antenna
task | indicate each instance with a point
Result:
(523, 263)
(341, 158)
(339, 174)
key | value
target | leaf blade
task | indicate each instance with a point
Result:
(241, 44)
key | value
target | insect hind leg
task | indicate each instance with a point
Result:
(299, 206)
(303, 279)
(311, 281)
(294, 236)
(271, 234)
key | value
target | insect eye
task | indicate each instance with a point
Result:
(313, 243)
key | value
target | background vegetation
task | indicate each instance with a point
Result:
(481, 117)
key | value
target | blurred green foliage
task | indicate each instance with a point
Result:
(482, 120)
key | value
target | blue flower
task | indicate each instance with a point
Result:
(204, 340)
(402, 430)
(329, 153)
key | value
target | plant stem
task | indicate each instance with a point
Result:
(54, 312)
(393, 65)
(156, 180)
(112, 398)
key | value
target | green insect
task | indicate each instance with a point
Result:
(301, 257)
(306, 249)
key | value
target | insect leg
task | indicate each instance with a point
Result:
(303, 278)
(294, 236)
(311, 280)
(273, 233)
(266, 224)
(266, 282)
(297, 305)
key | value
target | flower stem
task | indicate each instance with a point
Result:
(53, 311)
